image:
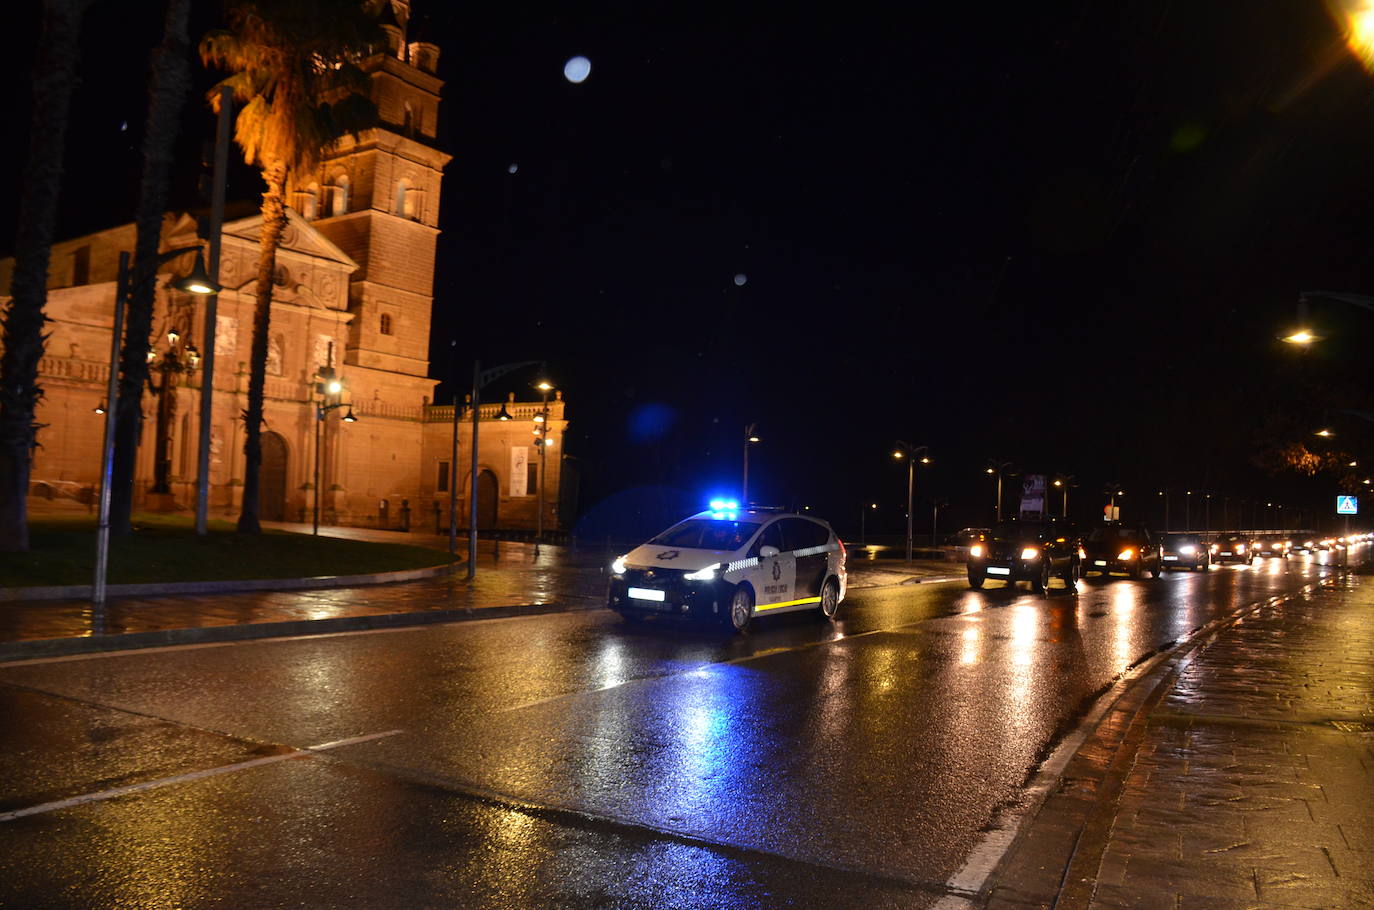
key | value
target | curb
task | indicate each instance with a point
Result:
(131, 641)
(83, 592)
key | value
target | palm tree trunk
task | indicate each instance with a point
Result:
(54, 80)
(171, 81)
(273, 223)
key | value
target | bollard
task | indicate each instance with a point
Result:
(405, 514)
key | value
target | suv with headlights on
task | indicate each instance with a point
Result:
(732, 564)
(1234, 548)
(1186, 551)
(1122, 547)
(1034, 550)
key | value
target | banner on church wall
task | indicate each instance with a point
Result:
(519, 470)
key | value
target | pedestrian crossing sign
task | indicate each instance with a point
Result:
(1347, 505)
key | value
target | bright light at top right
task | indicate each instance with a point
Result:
(1356, 19)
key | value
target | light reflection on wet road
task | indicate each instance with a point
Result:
(654, 765)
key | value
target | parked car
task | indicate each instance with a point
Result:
(1122, 547)
(1035, 551)
(732, 564)
(1234, 548)
(1186, 551)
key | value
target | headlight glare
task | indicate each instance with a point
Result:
(976, 551)
(706, 574)
(618, 567)
(1030, 553)
(1240, 548)
(1127, 553)
(1189, 549)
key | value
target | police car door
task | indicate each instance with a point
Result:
(806, 541)
(776, 575)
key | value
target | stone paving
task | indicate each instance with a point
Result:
(1254, 785)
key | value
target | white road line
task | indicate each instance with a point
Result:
(184, 778)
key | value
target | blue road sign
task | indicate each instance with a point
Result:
(1347, 505)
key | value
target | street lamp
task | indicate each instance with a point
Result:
(750, 439)
(863, 522)
(912, 454)
(329, 388)
(1064, 481)
(480, 380)
(178, 359)
(124, 285)
(543, 440)
(999, 467)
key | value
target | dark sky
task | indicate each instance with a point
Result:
(1064, 234)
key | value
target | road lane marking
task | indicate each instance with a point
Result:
(190, 776)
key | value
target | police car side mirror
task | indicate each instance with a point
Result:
(766, 551)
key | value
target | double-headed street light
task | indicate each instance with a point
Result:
(912, 454)
(999, 467)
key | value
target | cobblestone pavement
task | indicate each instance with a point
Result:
(1254, 784)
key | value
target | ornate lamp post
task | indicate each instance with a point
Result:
(543, 440)
(329, 389)
(177, 360)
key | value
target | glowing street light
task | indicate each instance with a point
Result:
(912, 454)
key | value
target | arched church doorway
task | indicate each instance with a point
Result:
(486, 501)
(272, 478)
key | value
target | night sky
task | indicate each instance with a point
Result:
(1061, 234)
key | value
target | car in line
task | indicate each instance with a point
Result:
(1234, 548)
(1122, 547)
(730, 565)
(1271, 547)
(1186, 551)
(1036, 551)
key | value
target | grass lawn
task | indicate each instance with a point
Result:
(167, 548)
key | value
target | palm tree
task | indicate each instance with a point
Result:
(54, 80)
(171, 83)
(287, 58)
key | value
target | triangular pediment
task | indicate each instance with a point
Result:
(299, 236)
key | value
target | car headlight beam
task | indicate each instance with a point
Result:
(1126, 554)
(976, 551)
(1030, 553)
(618, 567)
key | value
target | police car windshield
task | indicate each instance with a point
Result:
(707, 534)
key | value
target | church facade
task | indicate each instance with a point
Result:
(352, 298)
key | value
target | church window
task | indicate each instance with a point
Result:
(310, 202)
(386, 324)
(81, 266)
(442, 485)
(532, 479)
(340, 200)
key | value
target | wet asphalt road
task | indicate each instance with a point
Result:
(571, 760)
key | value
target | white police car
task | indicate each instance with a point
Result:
(732, 564)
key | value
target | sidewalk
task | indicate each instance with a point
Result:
(1243, 778)
(512, 579)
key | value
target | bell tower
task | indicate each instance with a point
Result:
(376, 196)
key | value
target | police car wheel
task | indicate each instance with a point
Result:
(830, 599)
(741, 609)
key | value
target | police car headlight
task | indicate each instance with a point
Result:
(976, 551)
(706, 574)
(618, 567)
(1030, 553)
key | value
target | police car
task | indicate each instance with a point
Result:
(732, 564)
